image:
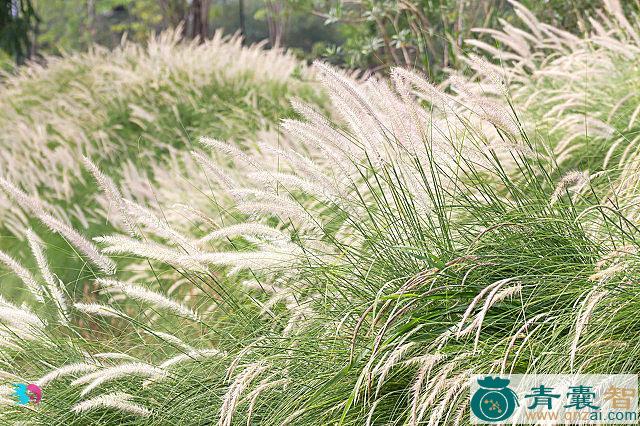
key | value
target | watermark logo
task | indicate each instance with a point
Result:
(494, 401)
(552, 399)
(27, 393)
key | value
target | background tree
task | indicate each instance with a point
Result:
(416, 33)
(427, 33)
(18, 20)
(199, 18)
(365, 34)
(277, 19)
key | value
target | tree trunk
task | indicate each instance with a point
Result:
(91, 19)
(241, 12)
(199, 19)
(276, 21)
(33, 48)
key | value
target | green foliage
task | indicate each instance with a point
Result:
(429, 34)
(425, 34)
(17, 20)
(569, 14)
(68, 25)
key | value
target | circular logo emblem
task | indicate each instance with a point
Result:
(494, 401)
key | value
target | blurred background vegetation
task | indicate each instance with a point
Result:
(365, 34)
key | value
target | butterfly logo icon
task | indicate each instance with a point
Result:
(27, 393)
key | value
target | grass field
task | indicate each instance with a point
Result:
(222, 235)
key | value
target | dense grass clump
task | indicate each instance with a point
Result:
(354, 270)
(134, 111)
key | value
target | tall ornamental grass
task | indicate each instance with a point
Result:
(358, 269)
(133, 111)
